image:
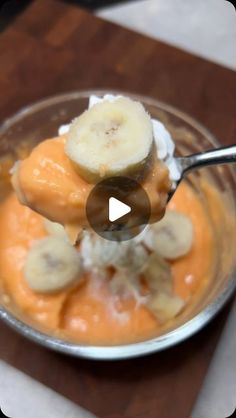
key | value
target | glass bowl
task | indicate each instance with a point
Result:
(40, 121)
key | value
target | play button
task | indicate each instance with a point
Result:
(118, 208)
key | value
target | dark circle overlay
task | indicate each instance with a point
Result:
(129, 192)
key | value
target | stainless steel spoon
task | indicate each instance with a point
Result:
(192, 162)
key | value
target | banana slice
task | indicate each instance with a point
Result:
(172, 237)
(125, 287)
(165, 306)
(51, 265)
(110, 139)
(130, 257)
(158, 274)
(55, 229)
(161, 302)
(69, 232)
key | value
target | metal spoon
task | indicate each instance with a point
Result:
(192, 162)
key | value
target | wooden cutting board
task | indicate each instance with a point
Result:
(51, 48)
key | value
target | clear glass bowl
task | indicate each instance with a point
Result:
(41, 120)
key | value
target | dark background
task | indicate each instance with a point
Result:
(10, 8)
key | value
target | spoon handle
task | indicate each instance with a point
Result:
(222, 155)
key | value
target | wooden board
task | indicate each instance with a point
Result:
(51, 48)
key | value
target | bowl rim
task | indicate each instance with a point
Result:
(131, 350)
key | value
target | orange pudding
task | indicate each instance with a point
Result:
(89, 312)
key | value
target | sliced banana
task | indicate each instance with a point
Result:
(131, 257)
(111, 138)
(172, 237)
(55, 229)
(158, 274)
(162, 302)
(69, 232)
(125, 286)
(165, 306)
(51, 265)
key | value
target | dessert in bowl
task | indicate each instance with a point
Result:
(104, 299)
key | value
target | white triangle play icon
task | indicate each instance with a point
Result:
(117, 209)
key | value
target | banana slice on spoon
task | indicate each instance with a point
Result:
(110, 139)
(52, 264)
(172, 237)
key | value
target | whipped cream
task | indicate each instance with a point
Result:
(164, 142)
